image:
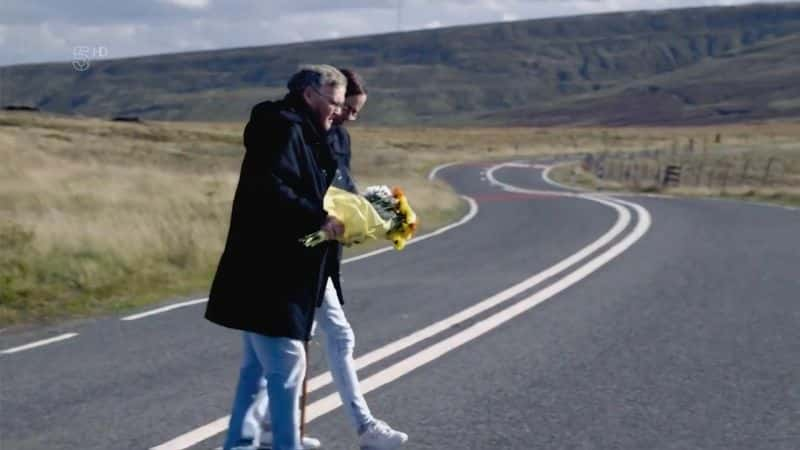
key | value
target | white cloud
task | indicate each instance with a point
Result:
(50, 38)
(30, 34)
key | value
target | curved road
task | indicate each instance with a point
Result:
(548, 320)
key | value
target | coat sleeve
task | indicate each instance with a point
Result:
(346, 148)
(348, 156)
(274, 166)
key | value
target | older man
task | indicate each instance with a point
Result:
(267, 284)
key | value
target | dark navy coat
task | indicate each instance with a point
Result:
(267, 282)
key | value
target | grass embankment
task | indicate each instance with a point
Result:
(99, 217)
(746, 162)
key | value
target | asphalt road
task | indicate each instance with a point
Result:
(672, 324)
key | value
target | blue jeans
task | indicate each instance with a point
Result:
(339, 344)
(282, 362)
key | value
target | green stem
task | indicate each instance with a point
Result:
(314, 239)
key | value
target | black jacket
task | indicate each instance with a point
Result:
(339, 140)
(340, 143)
(266, 281)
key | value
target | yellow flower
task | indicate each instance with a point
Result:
(408, 226)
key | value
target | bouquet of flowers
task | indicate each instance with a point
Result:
(380, 213)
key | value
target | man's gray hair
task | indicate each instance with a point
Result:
(316, 76)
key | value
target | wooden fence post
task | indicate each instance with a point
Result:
(725, 178)
(744, 171)
(766, 171)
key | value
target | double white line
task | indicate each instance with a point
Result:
(436, 350)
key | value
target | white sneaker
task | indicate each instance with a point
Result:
(380, 436)
(309, 443)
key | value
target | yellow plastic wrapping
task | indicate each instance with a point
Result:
(361, 221)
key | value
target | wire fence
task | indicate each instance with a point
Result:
(713, 169)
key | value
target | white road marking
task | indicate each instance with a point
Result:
(38, 343)
(435, 351)
(473, 211)
(196, 436)
(623, 219)
(521, 164)
(548, 180)
(436, 169)
(165, 309)
(431, 353)
(332, 401)
(511, 188)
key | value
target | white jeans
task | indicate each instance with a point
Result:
(339, 345)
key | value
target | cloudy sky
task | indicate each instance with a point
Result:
(54, 30)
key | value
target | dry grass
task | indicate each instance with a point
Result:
(94, 220)
(760, 163)
(97, 216)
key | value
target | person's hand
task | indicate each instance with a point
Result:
(333, 227)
